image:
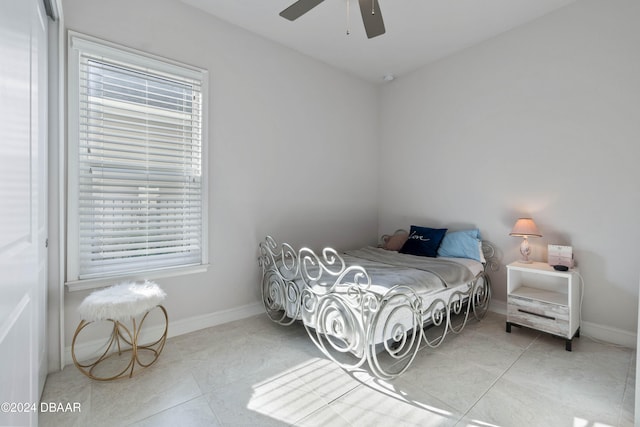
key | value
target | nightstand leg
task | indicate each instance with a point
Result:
(567, 345)
(508, 327)
(578, 333)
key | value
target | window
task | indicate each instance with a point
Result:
(137, 164)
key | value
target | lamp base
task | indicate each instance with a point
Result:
(525, 250)
(525, 261)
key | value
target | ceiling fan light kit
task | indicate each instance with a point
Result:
(369, 9)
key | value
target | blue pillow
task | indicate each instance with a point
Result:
(461, 244)
(423, 241)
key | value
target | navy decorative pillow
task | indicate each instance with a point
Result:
(423, 241)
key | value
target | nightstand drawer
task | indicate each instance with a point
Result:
(552, 318)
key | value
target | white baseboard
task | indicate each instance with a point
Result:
(498, 306)
(608, 334)
(191, 324)
(588, 329)
(178, 327)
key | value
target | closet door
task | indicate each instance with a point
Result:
(637, 405)
(23, 130)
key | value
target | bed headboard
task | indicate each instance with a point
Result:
(394, 242)
(489, 252)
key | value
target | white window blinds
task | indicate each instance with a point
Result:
(138, 177)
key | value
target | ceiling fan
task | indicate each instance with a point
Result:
(370, 10)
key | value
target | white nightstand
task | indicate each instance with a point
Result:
(542, 298)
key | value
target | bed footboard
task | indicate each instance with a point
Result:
(280, 294)
(347, 321)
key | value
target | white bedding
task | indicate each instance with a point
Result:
(390, 268)
(423, 274)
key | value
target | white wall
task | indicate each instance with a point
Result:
(544, 121)
(286, 134)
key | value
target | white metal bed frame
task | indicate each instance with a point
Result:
(352, 325)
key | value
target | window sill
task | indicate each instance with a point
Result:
(87, 284)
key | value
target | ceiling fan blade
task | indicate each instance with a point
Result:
(299, 8)
(373, 23)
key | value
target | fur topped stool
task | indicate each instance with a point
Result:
(120, 304)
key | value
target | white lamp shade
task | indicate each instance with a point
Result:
(525, 227)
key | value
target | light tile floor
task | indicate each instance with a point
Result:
(253, 372)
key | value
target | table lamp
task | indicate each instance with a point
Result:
(525, 228)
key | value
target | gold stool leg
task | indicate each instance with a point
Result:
(156, 346)
(114, 342)
(118, 333)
